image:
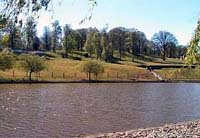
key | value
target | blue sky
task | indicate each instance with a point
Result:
(177, 16)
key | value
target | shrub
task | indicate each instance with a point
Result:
(92, 67)
(32, 64)
(6, 60)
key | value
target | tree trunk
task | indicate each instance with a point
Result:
(89, 76)
(96, 76)
(164, 53)
(30, 76)
(133, 53)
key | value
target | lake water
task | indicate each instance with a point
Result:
(68, 110)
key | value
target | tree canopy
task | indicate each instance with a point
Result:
(193, 52)
(92, 67)
(32, 64)
(12, 9)
(163, 39)
(6, 60)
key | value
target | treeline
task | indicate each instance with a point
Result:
(100, 44)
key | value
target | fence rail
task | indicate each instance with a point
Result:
(48, 75)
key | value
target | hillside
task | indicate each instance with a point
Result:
(67, 69)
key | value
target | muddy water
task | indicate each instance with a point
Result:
(69, 110)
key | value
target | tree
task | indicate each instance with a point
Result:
(192, 55)
(89, 46)
(56, 35)
(36, 43)
(30, 32)
(96, 43)
(13, 34)
(77, 40)
(6, 60)
(163, 39)
(69, 41)
(171, 50)
(12, 30)
(140, 42)
(181, 51)
(5, 41)
(92, 67)
(3, 21)
(32, 64)
(13, 8)
(117, 37)
(107, 48)
(131, 41)
(47, 38)
(83, 38)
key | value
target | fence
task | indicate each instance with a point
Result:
(48, 75)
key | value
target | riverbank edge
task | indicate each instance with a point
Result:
(183, 129)
(96, 81)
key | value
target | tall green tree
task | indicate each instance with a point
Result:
(83, 37)
(96, 43)
(131, 42)
(6, 60)
(117, 38)
(46, 38)
(89, 46)
(30, 32)
(76, 35)
(107, 48)
(192, 55)
(67, 39)
(56, 35)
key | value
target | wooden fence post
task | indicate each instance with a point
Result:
(63, 75)
(13, 73)
(38, 74)
(107, 75)
(138, 76)
(52, 74)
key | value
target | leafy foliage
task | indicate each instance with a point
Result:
(6, 60)
(163, 39)
(89, 46)
(46, 38)
(4, 42)
(56, 35)
(96, 43)
(12, 9)
(30, 32)
(193, 55)
(70, 39)
(32, 64)
(92, 67)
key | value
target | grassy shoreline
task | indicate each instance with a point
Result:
(96, 81)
